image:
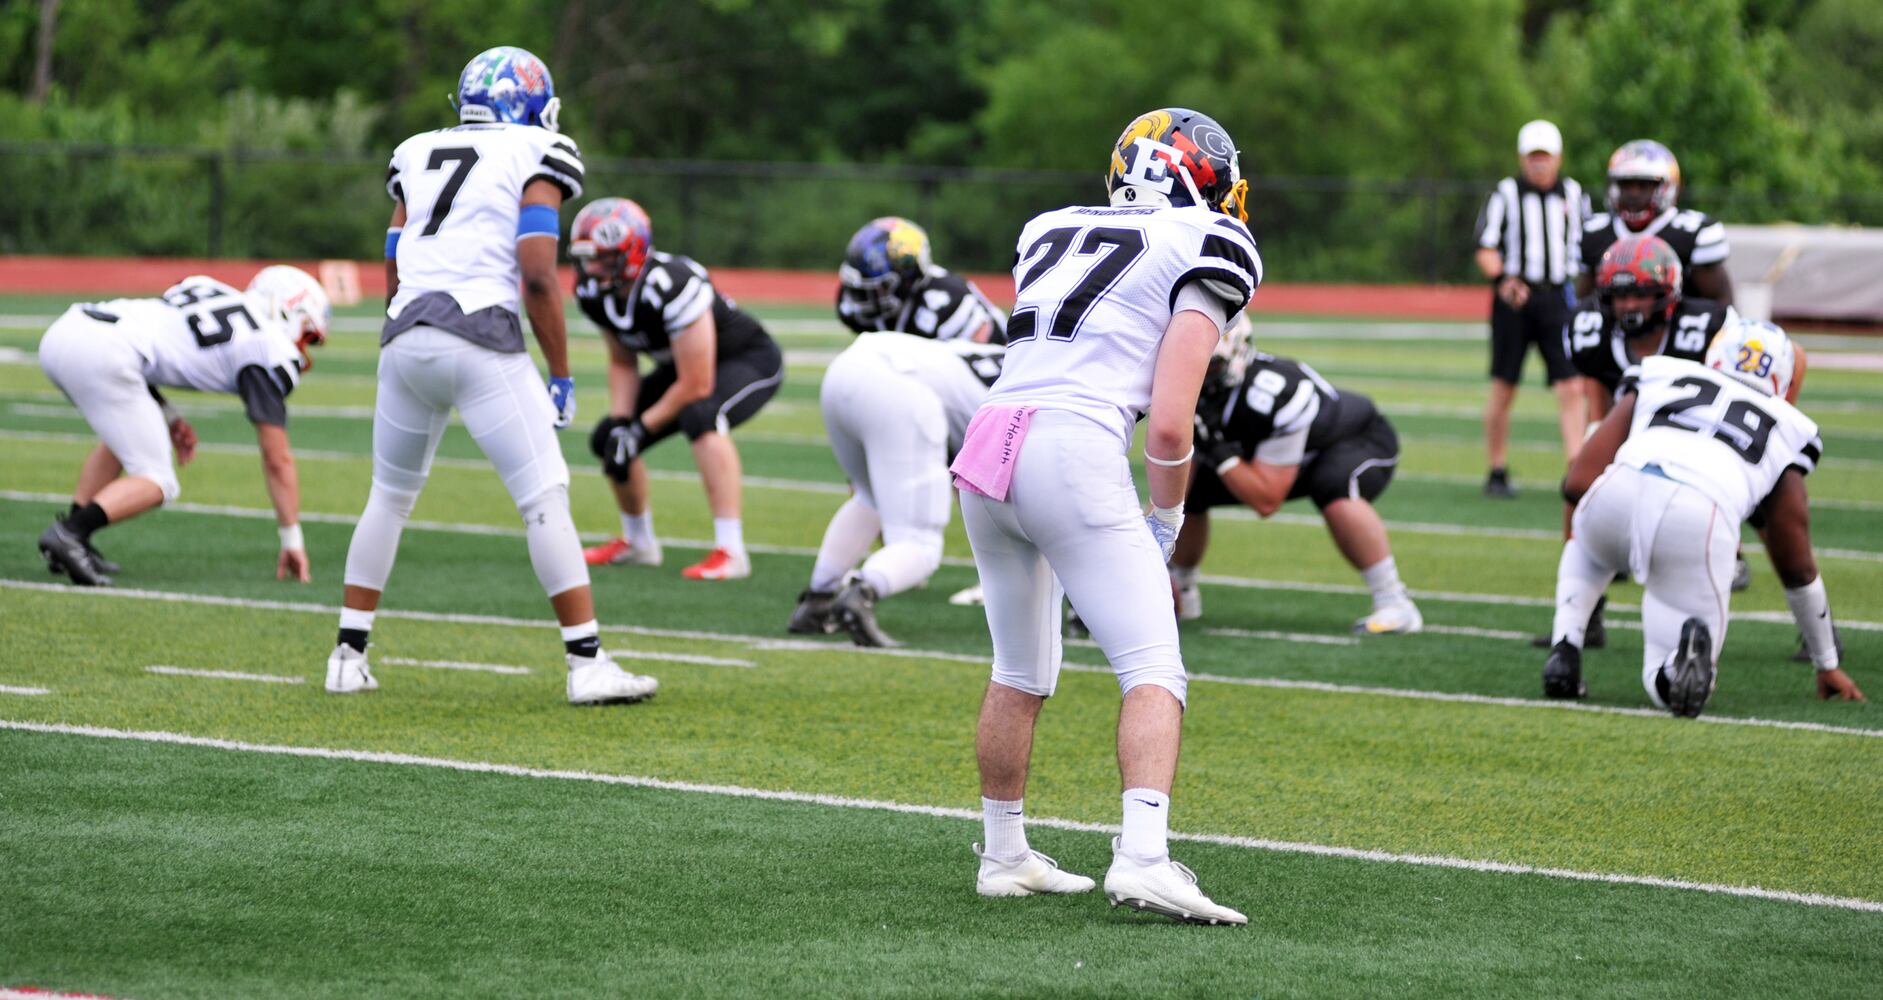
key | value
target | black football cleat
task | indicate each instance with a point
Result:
(815, 613)
(65, 552)
(1497, 484)
(1562, 672)
(854, 608)
(1690, 676)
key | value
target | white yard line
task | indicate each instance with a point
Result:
(945, 812)
(1243, 633)
(488, 668)
(765, 643)
(226, 675)
(1478, 633)
(24, 691)
(704, 661)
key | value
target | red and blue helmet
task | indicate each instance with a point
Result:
(1639, 267)
(507, 84)
(610, 240)
(1176, 156)
(884, 262)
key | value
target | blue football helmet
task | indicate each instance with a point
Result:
(507, 84)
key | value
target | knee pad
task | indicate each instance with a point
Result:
(555, 548)
(1164, 673)
(394, 501)
(699, 418)
(598, 438)
(1039, 683)
(163, 475)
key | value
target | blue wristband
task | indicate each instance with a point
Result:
(538, 220)
(392, 244)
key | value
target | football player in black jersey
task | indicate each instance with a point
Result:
(1269, 430)
(714, 368)
(1639, 309)
(888, 282)
(1643, 184)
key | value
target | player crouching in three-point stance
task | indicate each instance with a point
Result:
(895, 406)
(715, 367)
(1270, 430)
(474, 213)
(109, 358)
(1117, 312)
(1689, 452)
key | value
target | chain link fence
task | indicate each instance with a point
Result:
(110, 200)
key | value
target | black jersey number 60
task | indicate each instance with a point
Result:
(1121, 247)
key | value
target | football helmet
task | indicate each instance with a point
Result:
(883, 264)
(507, 84)
(1639, 266)
(1175, 156)
(292, 296)
(1756, 352)
(610, 241)
(1642, 160)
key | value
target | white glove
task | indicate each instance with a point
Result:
(1165, 524)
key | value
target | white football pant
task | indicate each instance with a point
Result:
(890, 434)
(1073, 515)
(1664, 534)
(424, 374)
(100, 371)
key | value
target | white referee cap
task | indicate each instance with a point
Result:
(1539, 137)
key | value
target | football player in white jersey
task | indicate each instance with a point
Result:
(896, 405)
(111, 358)
(1689, 452)
(475, 214)
(1118, 310)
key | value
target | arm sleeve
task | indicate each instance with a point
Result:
(1491, 222)
(1294, 417)
(1227, 265)
(561, 165)
(1193, 297)
(1709, 244)
(393, 187)
(263, 395)
(693, 300)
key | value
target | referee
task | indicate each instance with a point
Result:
(1529, 248)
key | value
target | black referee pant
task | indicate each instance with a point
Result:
(1539, 322)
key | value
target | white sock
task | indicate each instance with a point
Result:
(1811, 609)
(1184, 576)
(1004, 824)
(1147, 824)
(846, 540)
(1580, 582)
(1382, 578)
(729, 534)
(903, 564)
(638, 529)
(355, 618)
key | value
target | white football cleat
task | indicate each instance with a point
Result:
(348, 672)
(967, 597)
(1165, 887)
(1399, 618)
(1035, 873)
(598, 681)
(1189, 603)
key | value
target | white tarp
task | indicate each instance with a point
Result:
(1807, 272)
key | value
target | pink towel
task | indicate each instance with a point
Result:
(989, 449)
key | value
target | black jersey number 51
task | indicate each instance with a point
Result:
(1120, 248)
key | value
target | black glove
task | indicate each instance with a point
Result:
(619, 447)
(1211, 446)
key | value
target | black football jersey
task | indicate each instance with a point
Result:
(1695, 237)
(671, 293)
(1597, 348)
(1282, 396)
(944, 306)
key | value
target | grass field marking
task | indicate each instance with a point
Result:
(35, 993)
(944, 812)
(704, 661)
(1464, 479)
(1473, 631)
(225, 675)
(23, 691)
(799, 645)
(488, 668)
(1247, 633)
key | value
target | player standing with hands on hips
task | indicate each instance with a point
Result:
(1118, 309)
(475, 215)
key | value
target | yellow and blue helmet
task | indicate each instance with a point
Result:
(507, 84)
(884, 262)
(1178, 157)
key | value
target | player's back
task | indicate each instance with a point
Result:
(1715, 433)
(958, 372)
(1095, 288)
(200, 335)
(462, 188)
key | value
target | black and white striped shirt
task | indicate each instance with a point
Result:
(1538, 231)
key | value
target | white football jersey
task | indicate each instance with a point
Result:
(1095, 291)
(1715, 433)
(463, 188)
(957, 371)
(202, 333)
